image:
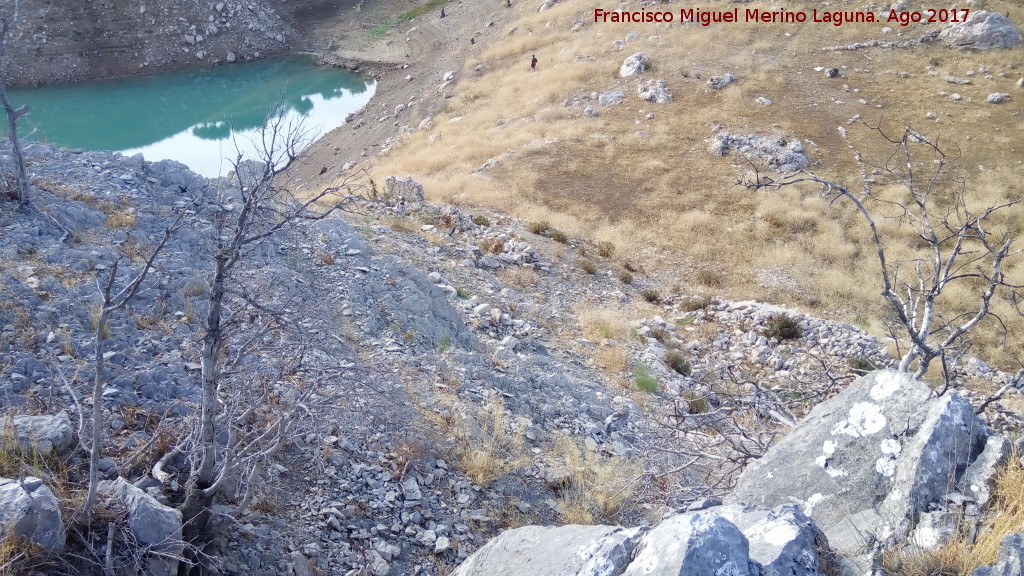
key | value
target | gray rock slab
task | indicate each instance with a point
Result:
(554, 551)
(43, 434)
(32, 511)
(782, 541)
(982, 30)
(865, 463)
(693, 544)
(979, 480)
(154, 525)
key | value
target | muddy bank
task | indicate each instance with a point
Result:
(100, 39)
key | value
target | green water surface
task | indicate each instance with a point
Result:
(198, 117)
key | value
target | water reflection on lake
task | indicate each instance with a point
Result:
(198, 117)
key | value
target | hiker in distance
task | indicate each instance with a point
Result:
(533, 64)
(442, 12)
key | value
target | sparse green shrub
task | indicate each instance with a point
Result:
(644, 380)
(677, 362)
(559, 236)
(589, 267)
(710, 278)
(651, 295)
(625, 277)
(444, 343)
(605, 249)
(481, 220)
(783, 327)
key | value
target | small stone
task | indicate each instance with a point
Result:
(442, 544)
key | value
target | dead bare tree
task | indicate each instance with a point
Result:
(7, 21)
(958, 245)
(111, 302)
(257, 410)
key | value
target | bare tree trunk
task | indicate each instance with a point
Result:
(195, 508)
(110, 303)
(97, 406)
(13, 115)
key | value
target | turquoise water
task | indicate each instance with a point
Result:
(199, 117)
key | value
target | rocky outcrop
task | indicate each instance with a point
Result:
(774, 153)
(982, 30)
(40, 434)
(406, 188)
(735, 540)
(31, 510)
(655, 91)
(868, 463)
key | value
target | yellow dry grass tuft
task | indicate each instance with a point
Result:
(600, 323)
(121, 219)
(598, 488)
(487, 446)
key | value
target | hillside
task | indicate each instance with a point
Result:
(515, 303)
(641, 175)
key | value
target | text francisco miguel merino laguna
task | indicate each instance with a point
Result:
(834, 17)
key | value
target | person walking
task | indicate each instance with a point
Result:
(533, 64)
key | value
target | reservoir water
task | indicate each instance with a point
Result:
(201, 118)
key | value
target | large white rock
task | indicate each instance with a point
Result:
(868, 462)
(634, 65)
(654, 91)
(548, 551)
(982, 30)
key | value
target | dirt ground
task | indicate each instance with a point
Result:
(409, 63)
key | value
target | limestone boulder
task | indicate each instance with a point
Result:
(982, 30)
(693, 544)
(554, 551)
(979, 480)
(655, 91)
(735, 540)
(867, 463)
(43, 434)
(1009, 558)
(634, 64)
(782, 541)
(31, 510)
(155, 526)
(406, 187)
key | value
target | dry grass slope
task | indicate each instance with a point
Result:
(665, 202)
